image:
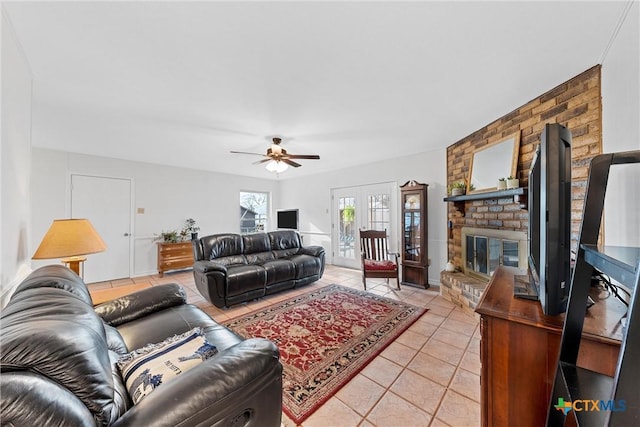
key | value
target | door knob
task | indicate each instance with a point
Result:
(126, 234)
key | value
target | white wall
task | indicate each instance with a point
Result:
(169, 196)
(621, 131)
(15, 161)
(312, 195)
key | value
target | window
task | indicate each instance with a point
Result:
(347, 214)
(254, 208)
(379, 213)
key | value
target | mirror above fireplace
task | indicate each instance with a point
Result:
(492, 162)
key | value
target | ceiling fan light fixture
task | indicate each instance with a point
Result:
(278, 159)
(276, 166)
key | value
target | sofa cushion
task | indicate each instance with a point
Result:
(243, 278)
(279, 270)
(50, 304)
(380, 265)
(260, 257)
(306, 265)
(171, 321)
(257, 248)
(284, 239)
(285, 243)
(147, 368)
(222, 245)
(29, 399)
(55, 276)
(256, 242)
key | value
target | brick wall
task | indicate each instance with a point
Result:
(575, 104)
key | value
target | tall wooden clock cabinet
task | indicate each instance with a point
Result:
(415, 256)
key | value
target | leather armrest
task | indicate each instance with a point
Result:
(243, 380)
(139, 304)
(312, 250)
(208, 266)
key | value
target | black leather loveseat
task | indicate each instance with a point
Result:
(233, 268)
(59, 353)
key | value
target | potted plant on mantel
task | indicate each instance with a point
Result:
(502, 184)
(512, 182)
(458, 188)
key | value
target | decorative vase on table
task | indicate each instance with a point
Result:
(457, 191)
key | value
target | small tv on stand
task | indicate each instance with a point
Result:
(549, 203)
(287, 219)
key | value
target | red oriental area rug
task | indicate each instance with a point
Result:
(325, 338)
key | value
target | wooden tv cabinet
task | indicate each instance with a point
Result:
(519, 351)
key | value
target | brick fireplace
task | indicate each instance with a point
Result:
(575, 104)
(483, 250)
(498, 222)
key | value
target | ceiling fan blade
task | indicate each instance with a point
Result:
(303, 156)
(262, 161)
(244, 152)
(291, 163)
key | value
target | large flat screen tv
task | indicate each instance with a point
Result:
(287, 219)
(549, 194)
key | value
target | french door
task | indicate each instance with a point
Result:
(372, 207)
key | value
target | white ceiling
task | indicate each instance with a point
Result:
(183, 83)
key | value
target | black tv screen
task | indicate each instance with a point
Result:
(550, 218)
(287, 219)
(534, 218)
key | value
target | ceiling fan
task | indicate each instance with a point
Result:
(279, 156)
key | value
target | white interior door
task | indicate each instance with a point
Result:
(370, 207)
(106, 202)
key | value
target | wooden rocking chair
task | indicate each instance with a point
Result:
(377, 261)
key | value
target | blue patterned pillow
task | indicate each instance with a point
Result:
(147, 368)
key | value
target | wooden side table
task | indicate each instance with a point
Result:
(75, 263)
(174, 256)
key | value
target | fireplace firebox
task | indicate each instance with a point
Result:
(484, 249)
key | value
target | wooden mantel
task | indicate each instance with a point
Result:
(519, 196)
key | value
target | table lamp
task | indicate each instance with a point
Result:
(70, 239)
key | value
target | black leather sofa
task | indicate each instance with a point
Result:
(233, 268)
(59, 353)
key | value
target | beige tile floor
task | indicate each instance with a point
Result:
(429, 376)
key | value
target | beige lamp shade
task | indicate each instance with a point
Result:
(68, 238)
